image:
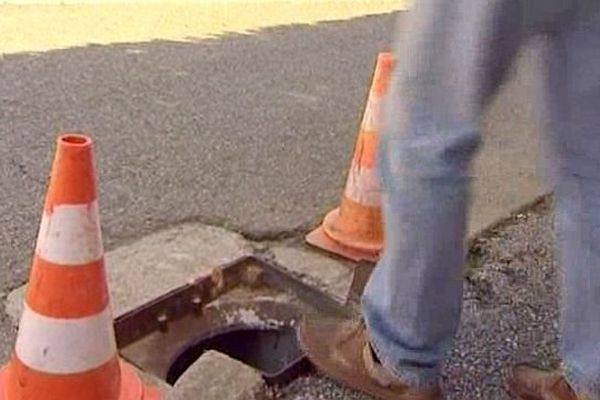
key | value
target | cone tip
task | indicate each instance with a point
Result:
(74, 140)
(72, 179)
(383, 72)
(385, 63)
(385, 57)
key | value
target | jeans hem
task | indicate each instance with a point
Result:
(412, 376)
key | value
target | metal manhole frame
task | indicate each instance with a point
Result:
(159, 314)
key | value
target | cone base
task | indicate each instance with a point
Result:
(331, 225)
(132, 387)
(320, 239)
(131, 384)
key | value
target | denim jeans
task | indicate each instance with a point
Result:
(452, 56)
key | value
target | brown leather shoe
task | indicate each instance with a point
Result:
(340, 349)
(526, 382)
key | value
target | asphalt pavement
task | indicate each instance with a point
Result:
(252, 132)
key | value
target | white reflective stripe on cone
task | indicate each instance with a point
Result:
(65, 346)
(363, 186)
(70, 234)
(372, 117)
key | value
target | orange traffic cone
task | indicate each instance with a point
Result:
(66, 348)
(354, 230)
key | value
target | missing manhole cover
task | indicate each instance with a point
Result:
(248, 310)
(269, 350)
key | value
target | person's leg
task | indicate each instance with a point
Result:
(572, 123)
(573, 112)
(451, 59)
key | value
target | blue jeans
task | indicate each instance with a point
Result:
(452, 57)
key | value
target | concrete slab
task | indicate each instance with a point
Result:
(152, 266)
(215, 376)
(329, 274)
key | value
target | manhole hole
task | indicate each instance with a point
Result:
(269, 350)
(248, 310)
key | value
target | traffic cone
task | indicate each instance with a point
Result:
(66, 348)
(354, 230)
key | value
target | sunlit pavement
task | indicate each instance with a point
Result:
(58, 24)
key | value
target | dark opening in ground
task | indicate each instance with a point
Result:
(269, 350)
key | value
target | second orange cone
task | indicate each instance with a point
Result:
(354, 230)
(66, 348)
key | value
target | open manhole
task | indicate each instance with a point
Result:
(261, 334)
(249, 310)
